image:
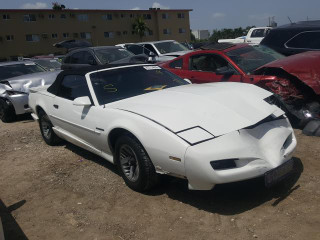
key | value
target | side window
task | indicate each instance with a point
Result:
(135, 49)
(149, 47)
(207, 62)
(73, 86)
(257, 33)
(308, 40)
(87, 58)
(176, 64)
(76, 57)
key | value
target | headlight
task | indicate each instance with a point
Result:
(195, 135)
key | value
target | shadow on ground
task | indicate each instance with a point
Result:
(11, 228)
(225, 199)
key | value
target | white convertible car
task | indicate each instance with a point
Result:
(149, 121)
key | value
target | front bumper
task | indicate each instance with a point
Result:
(20, 103)
(256, 151)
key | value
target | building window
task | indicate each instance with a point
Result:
(118, 33)
(32, 38)
(109, 34)
(122, 15)
(54, 35)
(147, 16)
(125, 33)
(44, 35)
(9, 37)
(180, 15)
(85, 35)
(165, 15)
(166, 31)
(148, 33)
(131, 15)
(83, 17)
(51, 16)
(6, 17)
(182, 30)
(63, 16)
(29, 18)
(75, 35)
(107, 17)
(65, 35)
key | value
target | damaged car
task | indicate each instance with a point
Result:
(149, 121)
(15, 80)
(294, 80)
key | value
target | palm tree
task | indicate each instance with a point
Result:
(139, 27)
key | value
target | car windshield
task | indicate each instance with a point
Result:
(169, 47)
(15, 70)
(109, 55)
(117, 84)
(48, 64)
(252, 57)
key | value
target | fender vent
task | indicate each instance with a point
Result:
(224, 164)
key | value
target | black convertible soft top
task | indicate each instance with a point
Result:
(82, 72)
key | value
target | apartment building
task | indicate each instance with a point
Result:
(30, 32)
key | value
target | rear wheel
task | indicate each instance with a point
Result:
(47, 132)
(7, 113)
(134, 164)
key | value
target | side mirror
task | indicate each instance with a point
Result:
(152, 57)
(187, 80)
(226, 71)
(82, 101)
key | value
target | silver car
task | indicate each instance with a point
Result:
(15, 80)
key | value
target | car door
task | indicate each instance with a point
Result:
(76, 123)
(203, 68)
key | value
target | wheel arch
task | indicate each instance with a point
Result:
(115, 134)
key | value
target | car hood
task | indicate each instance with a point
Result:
(304, 66)
(219, 108)
(176, 54)
(24, 82)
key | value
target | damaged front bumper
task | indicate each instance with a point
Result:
(240, 155)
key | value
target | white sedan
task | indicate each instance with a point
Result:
(149, 121)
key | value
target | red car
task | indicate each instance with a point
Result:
(295, 80)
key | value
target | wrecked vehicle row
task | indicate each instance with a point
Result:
(294, 80)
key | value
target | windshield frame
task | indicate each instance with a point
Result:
(245, 67)
(93, 93)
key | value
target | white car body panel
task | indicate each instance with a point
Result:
(187, 106)
(182, 129)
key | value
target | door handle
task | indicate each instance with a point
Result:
(55, 106)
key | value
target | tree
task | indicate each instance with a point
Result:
(58, 6)
(139, 27)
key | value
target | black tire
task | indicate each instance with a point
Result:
(7, 112)
(145, 177)
(46, 130)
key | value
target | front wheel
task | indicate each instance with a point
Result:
(47, 132)
(134, 164)
(7, 113)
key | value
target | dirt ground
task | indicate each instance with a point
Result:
(64, 192)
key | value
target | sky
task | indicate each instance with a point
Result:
(206, 14)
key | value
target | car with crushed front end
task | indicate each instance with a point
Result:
(149, 121)
(294, 80)
(15, 80)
